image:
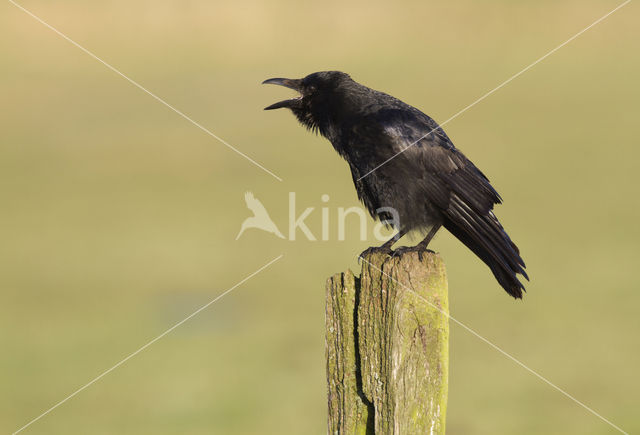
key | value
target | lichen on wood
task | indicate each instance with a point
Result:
(349, 411)
(387, 339)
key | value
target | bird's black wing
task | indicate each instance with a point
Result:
(458, 188)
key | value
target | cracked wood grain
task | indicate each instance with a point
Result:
(387, 346)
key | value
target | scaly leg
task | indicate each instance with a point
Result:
(421, 247)
(385, 247)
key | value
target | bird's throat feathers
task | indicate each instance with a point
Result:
(312, 123)
(325, 114)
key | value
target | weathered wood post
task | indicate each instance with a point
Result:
(387, 335)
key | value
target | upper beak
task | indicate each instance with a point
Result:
(294, 84)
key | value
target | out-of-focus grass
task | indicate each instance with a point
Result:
(119, 217)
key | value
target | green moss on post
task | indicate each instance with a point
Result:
(387, 346)
(348, 410)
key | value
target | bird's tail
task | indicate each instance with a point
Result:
(487, 239)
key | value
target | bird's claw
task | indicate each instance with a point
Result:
(399, 252)
(374, 250)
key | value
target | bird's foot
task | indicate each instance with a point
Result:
(375, 250)
(399, 252)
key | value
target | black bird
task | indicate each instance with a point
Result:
(402, 160)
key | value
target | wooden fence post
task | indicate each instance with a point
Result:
(387, 338)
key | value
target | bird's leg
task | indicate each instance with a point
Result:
(385, 247)
(421, 247)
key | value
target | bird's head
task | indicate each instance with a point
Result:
(321, 96)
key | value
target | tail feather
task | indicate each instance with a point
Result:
(483, 234)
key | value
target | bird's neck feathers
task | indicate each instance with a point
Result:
(306, 117)
(326, 114)
(316, 116)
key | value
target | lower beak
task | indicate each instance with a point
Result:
(287, 83)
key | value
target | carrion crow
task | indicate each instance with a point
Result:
(400, 158)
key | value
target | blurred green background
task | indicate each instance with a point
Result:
(119, 217)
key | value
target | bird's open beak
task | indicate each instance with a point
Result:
(294, 84)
